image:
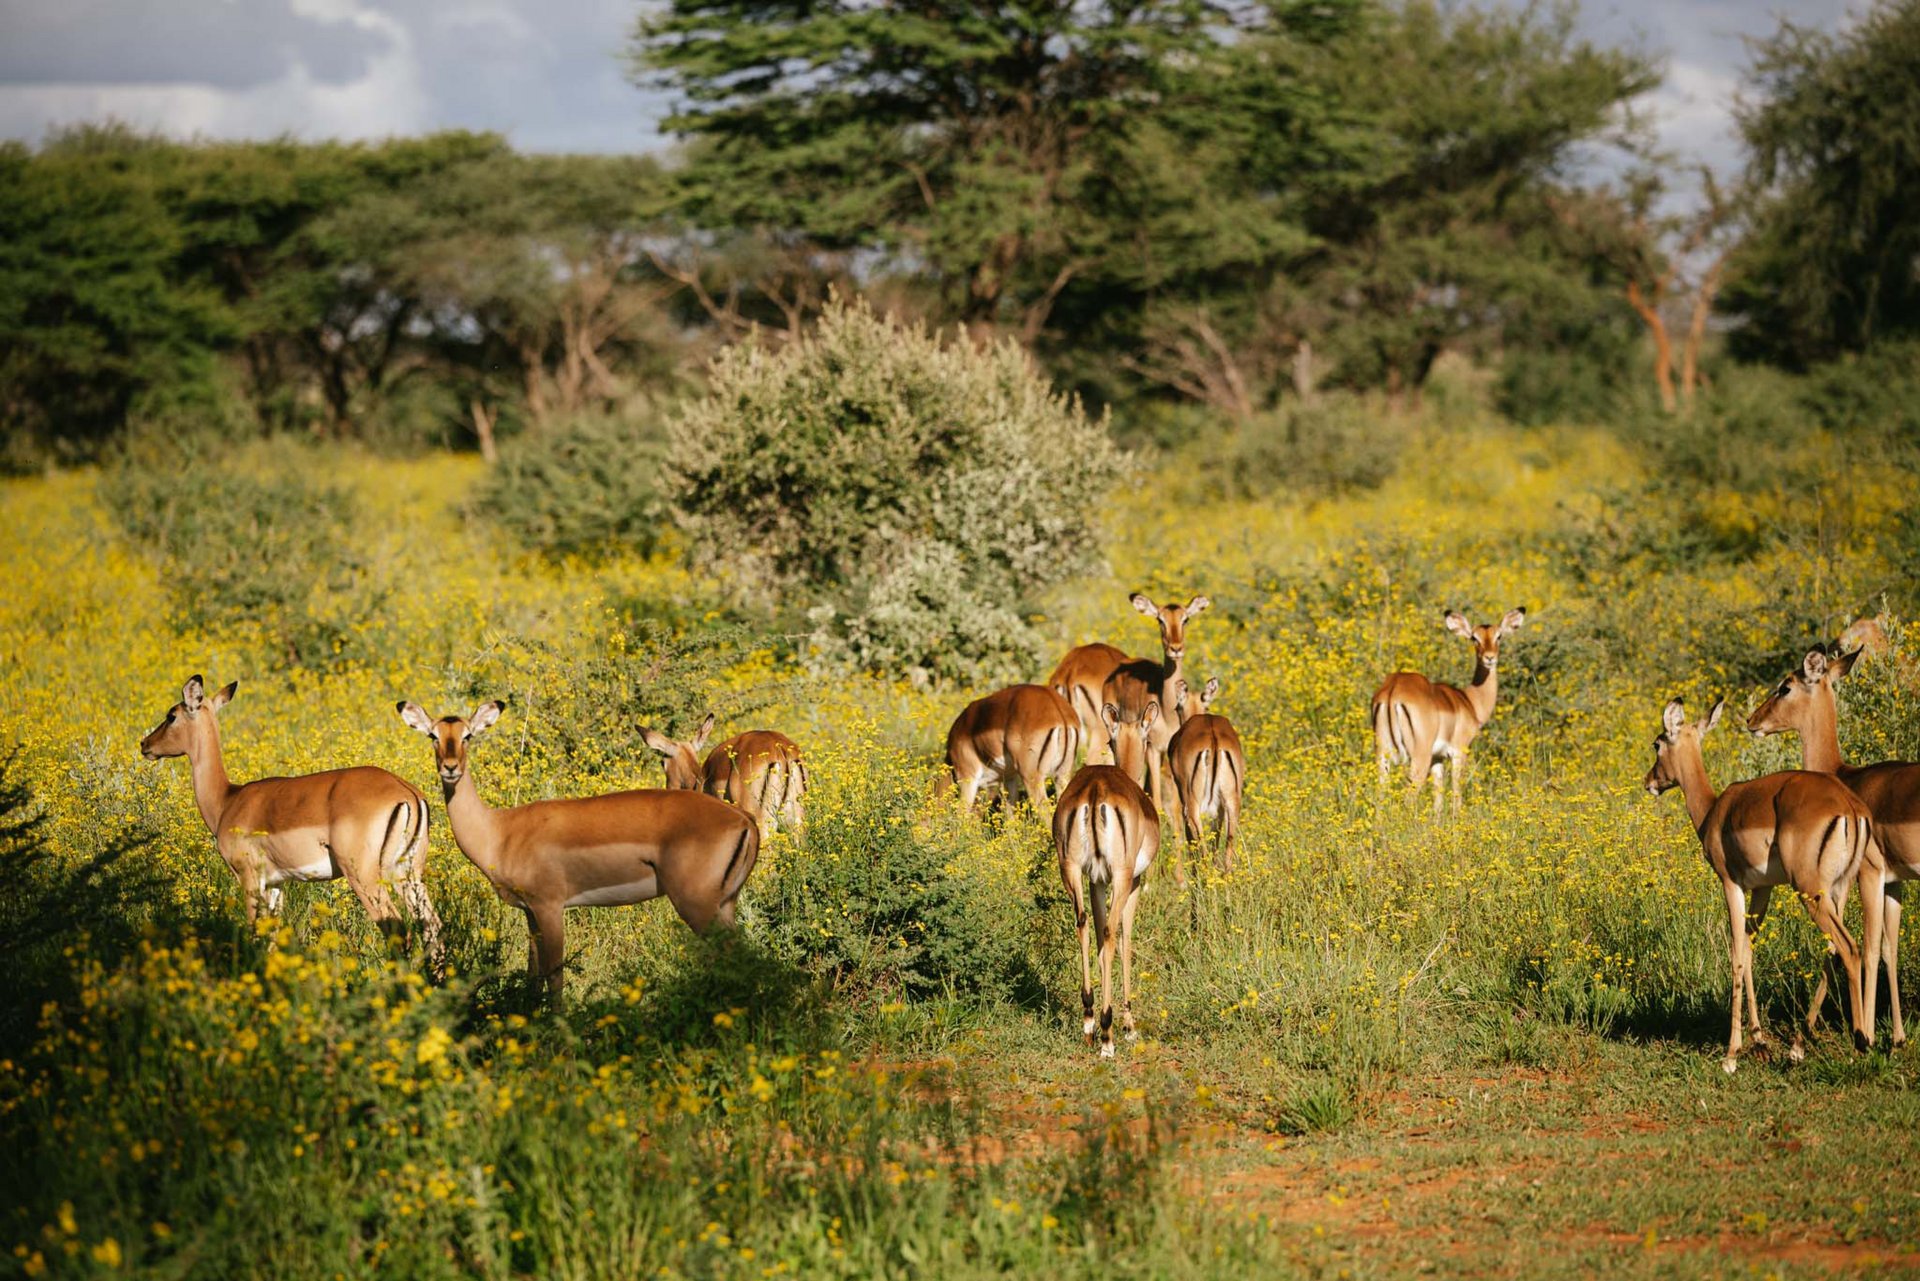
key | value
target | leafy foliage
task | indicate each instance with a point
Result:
(1833, 140)
(912, 495)
(583, 485)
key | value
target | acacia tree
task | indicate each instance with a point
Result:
(967, 137)
(1833, 141)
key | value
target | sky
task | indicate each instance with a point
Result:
(549, 74)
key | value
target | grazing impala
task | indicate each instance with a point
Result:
(596, 851)
(760, 771)
(1429, 726)
(1140, 681)
(1804, 702)
(1106, 833)
(1794, 828)
(362, 824)
(1208, 767)
(1019, 738)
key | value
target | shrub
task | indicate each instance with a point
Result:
(890, 483)
(583, 485)
(248, 530)
(1334, 446)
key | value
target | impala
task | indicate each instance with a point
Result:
(1804, 702)
(1427, 725)
(1140, 681)
(1081, 679)
(1106, 833)
(1019, 738)
(1793, 828)
(760, 771)
(1208, 767)
(595, 851)
(363, 824)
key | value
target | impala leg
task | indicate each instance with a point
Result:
(550, 928)
(1082, 921)
(1127, 910)
(534, 969)
(1434, 773)
(1456, 768)
(1825, 913)
(1419, 768)
(1741, 956)
(1756, 915)
(379, 907)
(969, 788)
(414, 893)
(1890, 952)
(1229, 830)
(1873, 913)
(1104, 907)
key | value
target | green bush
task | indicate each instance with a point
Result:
(1336, 445)
(1538, 387)
(894, 487)
(247, 531)
(586, 484)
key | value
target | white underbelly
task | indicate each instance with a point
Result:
(617, 895)
(319, 869)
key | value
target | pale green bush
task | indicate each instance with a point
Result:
(890, 484)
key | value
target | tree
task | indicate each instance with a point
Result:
(965, 136)
(1833, 141)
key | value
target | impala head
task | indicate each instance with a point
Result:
(1802, 694)
(450, 735)
(1173, 619)
(186, 721)
(1187, 702)
(682, 759)
(1128, 738)
(1486, 637)
(1678, 739)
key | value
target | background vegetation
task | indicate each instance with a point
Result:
(1376, 345)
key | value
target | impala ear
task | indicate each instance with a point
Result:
(1143, 604)
(1110, 717)
(1837, 669)
(483, 718)
(1181, 694)
(1211, 692)
(1512, 622)
(700, 736)
(223, 696)
(1198, 605)
(194, 695)
(1713, 717)
(659, 742)
(1149, 714)
(1674, 717)
(1814, 665)
(1457, 624)
(415, 716)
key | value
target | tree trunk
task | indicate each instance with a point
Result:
(1662, 343)
(1697, 330)
(1304, 385)
(483, 430)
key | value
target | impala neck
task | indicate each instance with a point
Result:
(1820, 738)
(1694, 784)
(475, 824)
(1485, 688)
(1171, 670)
(211, 787)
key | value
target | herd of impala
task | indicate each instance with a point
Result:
(1129, 723)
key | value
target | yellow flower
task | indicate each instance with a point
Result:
(433, 1046)
(107, 1253)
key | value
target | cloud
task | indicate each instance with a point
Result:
(315, 90)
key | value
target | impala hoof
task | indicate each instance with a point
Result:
(1106, 1050)
(1797, 1053)
(1861, 1041)
(1729, 1065)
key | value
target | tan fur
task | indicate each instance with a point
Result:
(1430, 726)
(622, 848)
(1106, 834)
(760, 770)
(1794, 828)
(1209, 768)
(362, 824)
(1019, 738)
(1080, 679)
(1804, 702)
(1139, 681)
